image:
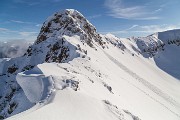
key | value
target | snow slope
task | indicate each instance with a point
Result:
(105, 78)
(76, 73)
(163, 47)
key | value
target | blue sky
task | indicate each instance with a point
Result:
(22, 19)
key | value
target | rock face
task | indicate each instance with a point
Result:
(69, 22)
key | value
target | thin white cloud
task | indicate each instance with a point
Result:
(118, 9)
(38, 25)
(140, 30)
(133, 26)
(24, 22)
(94, 16)
(147, 29)
(156, 28)
(125, 30)
(3, 29)
(157, 10)
(21, 22)
(26, 34)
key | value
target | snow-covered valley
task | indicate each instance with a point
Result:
(72, 72)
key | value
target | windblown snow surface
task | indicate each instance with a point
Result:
(125, 79)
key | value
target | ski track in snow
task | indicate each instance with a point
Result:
(153, 88)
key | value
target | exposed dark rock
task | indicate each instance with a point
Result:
(12, 69)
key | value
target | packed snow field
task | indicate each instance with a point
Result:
(72, 72)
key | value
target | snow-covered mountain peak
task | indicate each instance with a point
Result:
(68, 22)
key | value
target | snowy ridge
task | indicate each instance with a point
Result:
(74, 70)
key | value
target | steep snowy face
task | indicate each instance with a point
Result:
(149, 46)
(157, 42)
(114, 41)
(168, 60)
(169, 35)
(162, 47)
(68, 22)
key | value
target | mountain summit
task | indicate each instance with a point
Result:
(68, 22)
(73, 72)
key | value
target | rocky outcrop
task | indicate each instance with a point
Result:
(69, 22)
